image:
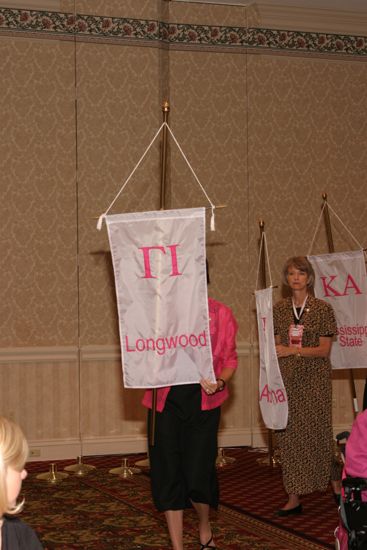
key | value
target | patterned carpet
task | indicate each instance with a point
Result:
(257, 491)
(103, 511)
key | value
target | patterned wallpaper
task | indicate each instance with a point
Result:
(119, 112)
(269, 120)
(38, 290)
(307, 135)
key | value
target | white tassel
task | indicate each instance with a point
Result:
(100, 221)
(212, 220)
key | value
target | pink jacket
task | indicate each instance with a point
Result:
(356, 448)
(223, 330)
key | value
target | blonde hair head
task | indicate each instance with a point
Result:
(13, 453)
(303, 264)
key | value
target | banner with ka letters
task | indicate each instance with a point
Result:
(160, 278)
(273, 396)
(341, 280)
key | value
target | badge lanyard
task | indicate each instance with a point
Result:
(296, 315)
(295, 332)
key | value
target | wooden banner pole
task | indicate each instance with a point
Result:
(163, 166)
(263, 285)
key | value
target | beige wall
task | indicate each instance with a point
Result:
(267, 132)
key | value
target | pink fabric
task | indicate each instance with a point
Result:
(341, 537)
(356, 450)
(223, 330)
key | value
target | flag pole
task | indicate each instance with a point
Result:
(331, 247)
(270, 459)
(263, 284)
(163, 165)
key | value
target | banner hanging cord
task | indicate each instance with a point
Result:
(339, 219)
(345, 227)
(102, 217)
(317, 228)
(263, 242)
(212, 220)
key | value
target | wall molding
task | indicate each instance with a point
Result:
(49, 354)
(55, 354)
(308, 19)
(44, 5)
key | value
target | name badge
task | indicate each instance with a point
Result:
(295, 336)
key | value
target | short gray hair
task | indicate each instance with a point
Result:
(301, 263)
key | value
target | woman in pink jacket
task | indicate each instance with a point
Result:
(182, 460)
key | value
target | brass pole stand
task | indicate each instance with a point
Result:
(125, 471)
(80, 469)
(272, 459)
(53, 476)
(144, 463)
(222, 459)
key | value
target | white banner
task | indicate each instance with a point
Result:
(273, 397)
(160, 277)
(341, 280)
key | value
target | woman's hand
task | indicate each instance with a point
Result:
(322, 350)
(208, 386)
(285, 351)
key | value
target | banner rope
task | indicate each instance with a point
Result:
(212, 219)
(317, 228)
(339, 219)
(346, 228)
(264, 243)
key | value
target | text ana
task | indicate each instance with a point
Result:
(272, 396)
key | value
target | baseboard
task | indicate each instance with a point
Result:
(110, 445)
(57, 449)
(340, 428)
(259, 438)
(60, 449)
(241, 437)
(46, 450)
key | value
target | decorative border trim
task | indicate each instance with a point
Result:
(86, 27)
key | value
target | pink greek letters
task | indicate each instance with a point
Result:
(173, 254)
(332, 291)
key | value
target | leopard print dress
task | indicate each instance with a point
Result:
(306, 445)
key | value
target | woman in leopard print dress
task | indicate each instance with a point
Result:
(304, 327)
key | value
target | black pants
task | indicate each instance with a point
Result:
(182, 461)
